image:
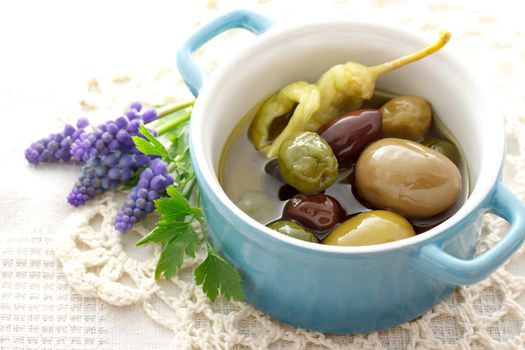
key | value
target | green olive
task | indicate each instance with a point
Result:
(444, 147)
(406, 117)
(294, 230)
(307, 162)
(259, 205)
(373, 227)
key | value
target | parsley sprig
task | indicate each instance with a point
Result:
(177, 229)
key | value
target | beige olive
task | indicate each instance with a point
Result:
(373, 227)
(406, 117)
(407, 177)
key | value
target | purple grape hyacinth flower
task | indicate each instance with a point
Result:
(113, 135)
(104, 173)
(151, 186)
(56, 147)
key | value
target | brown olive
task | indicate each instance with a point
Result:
(373, 227)
(406, 117)
(350, 133)
(407, 177)
(317, 212)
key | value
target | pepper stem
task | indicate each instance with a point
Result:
(381, 69)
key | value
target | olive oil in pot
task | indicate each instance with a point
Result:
(253, 182)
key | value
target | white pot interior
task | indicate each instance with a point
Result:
(284, 55)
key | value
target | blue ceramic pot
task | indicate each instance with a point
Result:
(347, 289)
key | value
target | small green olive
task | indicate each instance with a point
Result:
(373, 227)
(307, 162)
(406, 117)
(259, 205)
(444, 147)
(292, 229)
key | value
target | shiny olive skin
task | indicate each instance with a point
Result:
(307, 162)
(407, 177)
(294, 230)
(445, 147)
(319, 213)
(406, 117)
(350, 133)
(373, 227)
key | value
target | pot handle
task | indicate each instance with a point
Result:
(433, 260)
(192, 74)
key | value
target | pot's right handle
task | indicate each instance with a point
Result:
(192, 74)
(434, 261)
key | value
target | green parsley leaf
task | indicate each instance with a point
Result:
(180, 152)
(216, 275)
(184, 204)
(173, 208)
(150, 145)
(163, 232)
(186, 241)
(175, 230)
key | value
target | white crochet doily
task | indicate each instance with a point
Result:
(100, 262)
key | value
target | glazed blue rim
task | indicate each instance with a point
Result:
(495, 198)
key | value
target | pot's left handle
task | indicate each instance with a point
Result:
(194, 75)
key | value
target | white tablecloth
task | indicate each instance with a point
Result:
(63, 60)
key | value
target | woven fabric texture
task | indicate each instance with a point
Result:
(68, 280)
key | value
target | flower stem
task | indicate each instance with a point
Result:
(189, 187)
(172, 108)
(198, 197)
(171, 167)
(174, 124)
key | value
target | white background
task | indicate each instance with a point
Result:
(50, 51)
